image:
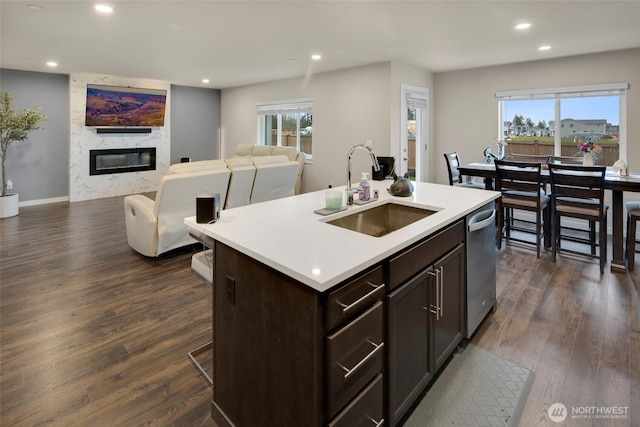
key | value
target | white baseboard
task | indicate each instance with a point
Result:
(44, 201)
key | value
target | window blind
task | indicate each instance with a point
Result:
(416, 101)
(612, 89)
(285, 106)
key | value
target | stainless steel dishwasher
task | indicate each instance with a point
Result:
(481, 266)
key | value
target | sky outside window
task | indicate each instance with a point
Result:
(597, 107)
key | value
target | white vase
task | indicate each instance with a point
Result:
(587, 159)
(9, 205)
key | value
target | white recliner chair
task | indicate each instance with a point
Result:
(276, 177)
(197, 166)
(259, 151)
(155, 227)
(243, 173)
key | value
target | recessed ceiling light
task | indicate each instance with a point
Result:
(103, 8)
(316, 57)
(52, 64)
(205, 80)
(545, 47)
(523, 26)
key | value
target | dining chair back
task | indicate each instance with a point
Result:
(520, 185)
(453, 161)
(578, 192)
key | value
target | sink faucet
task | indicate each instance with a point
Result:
(374, 161)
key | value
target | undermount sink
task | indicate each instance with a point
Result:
(381, 220)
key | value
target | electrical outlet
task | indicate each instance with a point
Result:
(9, 185)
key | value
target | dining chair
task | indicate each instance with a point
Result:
(455, 179)
(520, 185)
(578, 192)
(633, 217)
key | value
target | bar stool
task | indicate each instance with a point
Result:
(578, 192)
(519, 183)
(633, 216)
(202, 266)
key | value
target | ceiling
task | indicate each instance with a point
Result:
(235, 43)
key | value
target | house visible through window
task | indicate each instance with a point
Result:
(286, 123)
(554, 121)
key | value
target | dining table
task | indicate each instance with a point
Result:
(613, 182)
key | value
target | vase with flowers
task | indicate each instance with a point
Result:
(590, 151)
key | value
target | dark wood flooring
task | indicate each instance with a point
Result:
(93, 334)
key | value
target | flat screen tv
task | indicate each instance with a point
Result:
(124, 106)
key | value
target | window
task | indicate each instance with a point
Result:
(554, 121)
(286, 123)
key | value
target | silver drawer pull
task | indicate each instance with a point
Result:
(376, 423)
(363, 361)
(347, 307)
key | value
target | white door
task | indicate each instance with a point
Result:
(413, 133)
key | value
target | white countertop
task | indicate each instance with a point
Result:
(288, 236)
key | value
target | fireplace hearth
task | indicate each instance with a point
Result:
(122, 160)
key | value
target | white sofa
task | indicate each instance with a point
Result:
(155, 227)
(243, 173)
(276, 177)
(256, 151)
(201, 165)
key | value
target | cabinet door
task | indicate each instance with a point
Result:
(409, 368)
(448, 325)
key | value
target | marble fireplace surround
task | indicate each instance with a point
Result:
(83, 139)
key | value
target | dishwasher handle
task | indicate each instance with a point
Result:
(481, 220)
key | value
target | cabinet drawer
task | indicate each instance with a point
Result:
(365, 409)
(355, 356)
(354, 297)
(411, 261)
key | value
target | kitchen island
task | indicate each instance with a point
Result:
(315, 324)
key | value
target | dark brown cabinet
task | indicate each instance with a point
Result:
(448, 287)
(425, 322)
(409, 365)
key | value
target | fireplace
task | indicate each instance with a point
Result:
(121, 160)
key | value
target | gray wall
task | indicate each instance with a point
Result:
(39, 166)
(195, 123)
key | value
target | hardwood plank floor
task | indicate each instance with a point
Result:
(93, 334)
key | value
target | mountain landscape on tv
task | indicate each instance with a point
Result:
(124, 107)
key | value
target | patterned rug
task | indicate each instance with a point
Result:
(476, 388)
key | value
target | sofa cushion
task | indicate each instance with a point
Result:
(261, 150)
(270, 160)
(198, 166)
(290, 152)
(236, 162)
(244, 150)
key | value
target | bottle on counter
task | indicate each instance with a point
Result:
(365, 187)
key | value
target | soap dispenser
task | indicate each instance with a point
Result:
(365, 187)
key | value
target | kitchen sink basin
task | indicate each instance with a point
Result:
(381, 220)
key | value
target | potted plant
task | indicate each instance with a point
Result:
(14, 126)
